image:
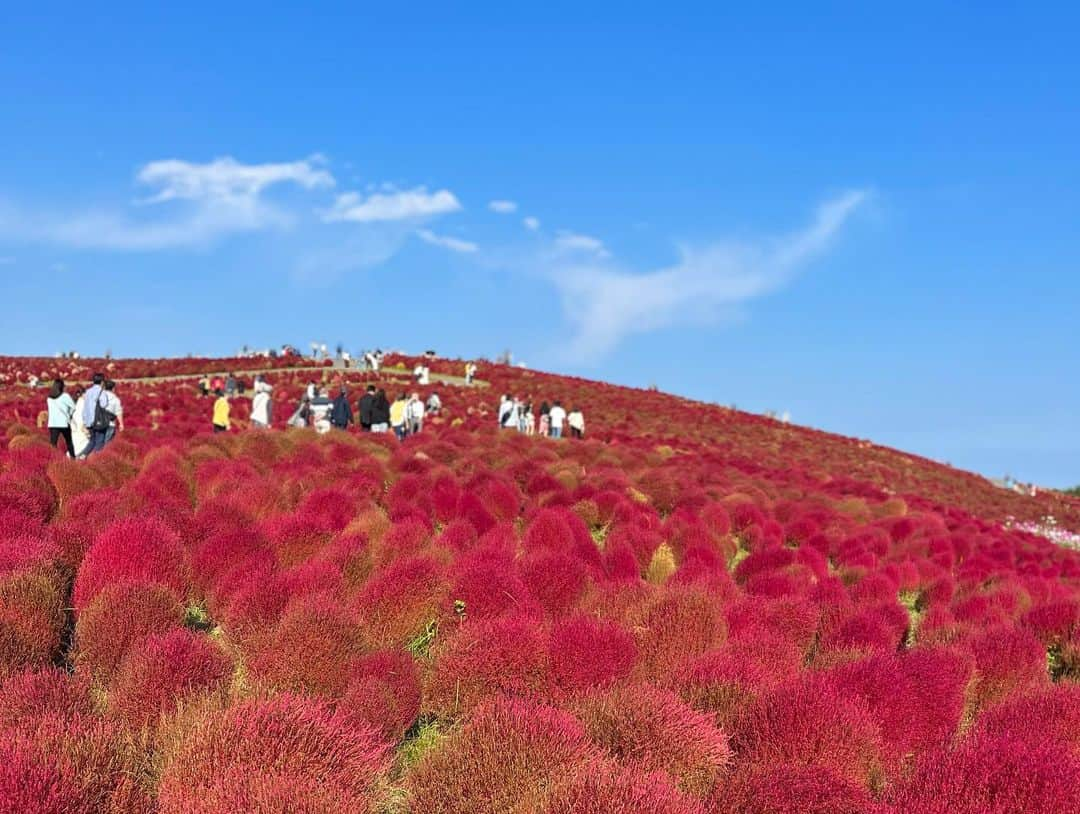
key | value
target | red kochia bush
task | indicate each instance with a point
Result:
(600, 788)
(35, 786)
(134, 549)
(398, 601)
(791, 790)
(263, 790)
(118, 617)
(486, 658)
(295, 736)
(651, 729)
(683, 623)
(159, 671)
(992, 776)
(506, 758)
(31, 620)
(75, 763)
(310, 647)
(36, 694)
(587, 653)
(1051, 715)
(1006, 660)
(383, 692)
(555, 579)
(809, 722)
(486, 580)
(725, 681)
(917, 698)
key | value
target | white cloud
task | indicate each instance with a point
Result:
(573, 242)
(193, 205)
(605, 303)
(410, 204)
(503, 207)
(226, 179)
(452, 243)
(531, 223)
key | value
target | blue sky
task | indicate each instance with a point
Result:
(865, 217)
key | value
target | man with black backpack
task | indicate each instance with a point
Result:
(96, 415)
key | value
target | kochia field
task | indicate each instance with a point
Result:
(693, 610)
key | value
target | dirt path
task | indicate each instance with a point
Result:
(318, 372)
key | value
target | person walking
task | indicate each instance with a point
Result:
(61, 410)
(397, 416)
(302, 415)
(545, 419)
(321, 406)
(434, 404)
(94, 415)
(115, 408)
(380, 412)
(364, 408)
(576, 422)
(341, 413)
(557, 418)
(79, 432)
(414, 414)
(529, 420)
(261, 406)
(221, 411)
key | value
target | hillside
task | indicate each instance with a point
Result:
(693, 609)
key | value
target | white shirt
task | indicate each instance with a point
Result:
(260, 407)
(576, 420)
(111, 402)
(557, 416)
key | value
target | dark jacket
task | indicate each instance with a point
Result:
(364, 407)
(341, 413)
(380, 411)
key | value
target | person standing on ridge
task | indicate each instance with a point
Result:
(115, 407)
(557, 417)
(261, 406)
(397, 416)
(576, 422)
(341, 413)
(61, 411)
(364, 408)
(380, 412)
(94, 417)
(221, 411)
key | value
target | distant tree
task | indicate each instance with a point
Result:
(1075, 491)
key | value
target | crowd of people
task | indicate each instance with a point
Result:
(87, 419)
(550, 420)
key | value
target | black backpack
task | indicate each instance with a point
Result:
(102, 418)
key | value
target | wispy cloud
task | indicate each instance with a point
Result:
(573, 242)
(226, 179)
(189, 204)
(409, 204)
(531, 223)
(446, 242)
(606, 303)
(503, 207)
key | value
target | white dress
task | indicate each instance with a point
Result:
(79, 434)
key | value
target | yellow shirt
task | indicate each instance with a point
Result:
(221, 412)
(397, 413)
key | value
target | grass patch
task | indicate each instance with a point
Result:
(420, 644)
